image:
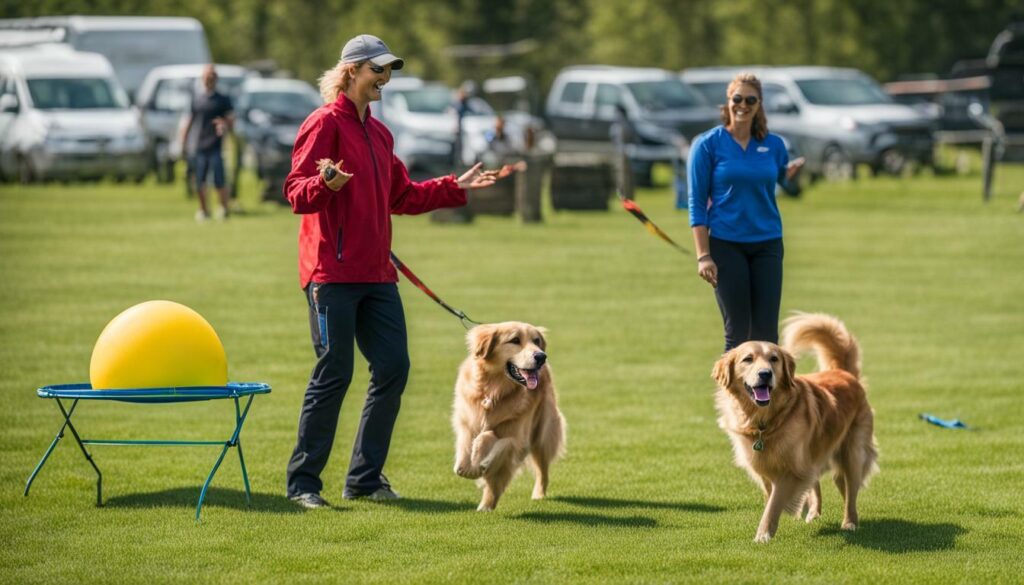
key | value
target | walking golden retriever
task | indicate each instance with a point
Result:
(786, 430)
(505, 409)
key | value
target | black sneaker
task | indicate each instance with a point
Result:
(310, 501)
(381, 494)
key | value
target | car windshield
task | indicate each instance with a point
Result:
(75, 94)
(284, 104)
(428, 100)
(713, 91)
(666, 94)
(843, 92)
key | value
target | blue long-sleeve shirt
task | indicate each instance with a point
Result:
(732, 190)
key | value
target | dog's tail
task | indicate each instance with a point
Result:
(836, 347)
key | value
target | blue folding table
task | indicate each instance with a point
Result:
(77, 392)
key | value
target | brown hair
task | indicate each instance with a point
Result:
(759, 128)
(336, 80)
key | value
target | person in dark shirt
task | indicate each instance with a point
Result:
(211, 118)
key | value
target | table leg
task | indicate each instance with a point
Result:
(60, 435)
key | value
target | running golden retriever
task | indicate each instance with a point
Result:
(787, 430)
(505, 409)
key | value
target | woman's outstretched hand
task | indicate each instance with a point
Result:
(477, 178)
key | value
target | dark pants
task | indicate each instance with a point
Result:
(749, 289)
(206, 161)
(371, 314)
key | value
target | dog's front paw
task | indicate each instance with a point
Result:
(762, 537)
(811, 516)
(850, 526)
(467, 471)
(484, 508)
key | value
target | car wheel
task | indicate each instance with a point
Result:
(25, 173)
(836, 165)
(892, 162)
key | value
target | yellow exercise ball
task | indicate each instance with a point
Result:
(158, 344)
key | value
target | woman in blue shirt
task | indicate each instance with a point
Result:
(737, 230)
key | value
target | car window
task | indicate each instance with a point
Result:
(713, 91)
(573, 92)
(287, 105)
(608, 95)
(75, 94)
(664, 94)
(174, 95)
(428, 100)
(776, 98)
(843, 92)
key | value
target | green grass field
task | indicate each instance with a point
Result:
(930, 279)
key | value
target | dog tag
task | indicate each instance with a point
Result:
(758, 445)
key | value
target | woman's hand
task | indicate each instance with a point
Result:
(334, 177)
(794, 167)
(708, 270)
(475, 178)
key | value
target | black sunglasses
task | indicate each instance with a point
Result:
(750, 99)
(378, 69)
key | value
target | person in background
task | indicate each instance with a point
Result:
(212, 117)
(737, 228)
(346, 182)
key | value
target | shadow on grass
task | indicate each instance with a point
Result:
(588, 519)
(188, 497)
(900, 536)
(617, 503)
(429, 506)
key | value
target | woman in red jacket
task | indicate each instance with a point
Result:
(346, 182)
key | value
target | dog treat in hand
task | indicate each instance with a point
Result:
(329, 172)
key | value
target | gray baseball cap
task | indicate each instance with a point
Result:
(372, 49)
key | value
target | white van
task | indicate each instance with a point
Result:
(64, 115)
(133, 44)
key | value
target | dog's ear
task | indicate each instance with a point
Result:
(480, 340)
(788, 367)
(722, 372)
(543, 337)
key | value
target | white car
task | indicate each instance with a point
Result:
(64, 115)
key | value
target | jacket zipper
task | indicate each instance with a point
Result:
(373, 157)
(339, 244)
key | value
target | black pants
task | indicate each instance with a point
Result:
(749, 289)
(371, 314)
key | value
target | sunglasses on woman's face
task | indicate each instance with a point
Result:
(750, 99)
(376, 68)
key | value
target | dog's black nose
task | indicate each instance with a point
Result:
(539, 358)
(765, 375)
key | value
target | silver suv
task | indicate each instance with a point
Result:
(664, 112)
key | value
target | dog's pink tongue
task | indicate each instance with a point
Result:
(532, 380)
(761, 393)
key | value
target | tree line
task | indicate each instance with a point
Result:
(885, 38)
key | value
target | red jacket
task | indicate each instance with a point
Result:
(345, 236)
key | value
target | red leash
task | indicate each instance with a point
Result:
(426, 290)
(634, 209)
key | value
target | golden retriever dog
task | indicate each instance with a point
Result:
(787, 430)
(505, 409)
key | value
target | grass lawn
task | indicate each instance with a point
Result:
(930, 279)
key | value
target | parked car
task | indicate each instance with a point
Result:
(133, 44)
(165, 95)
(838, 118)
(268, 115)
(63, 114)
(421, 119)
(663, 111)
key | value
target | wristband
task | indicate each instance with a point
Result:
(703, 257)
